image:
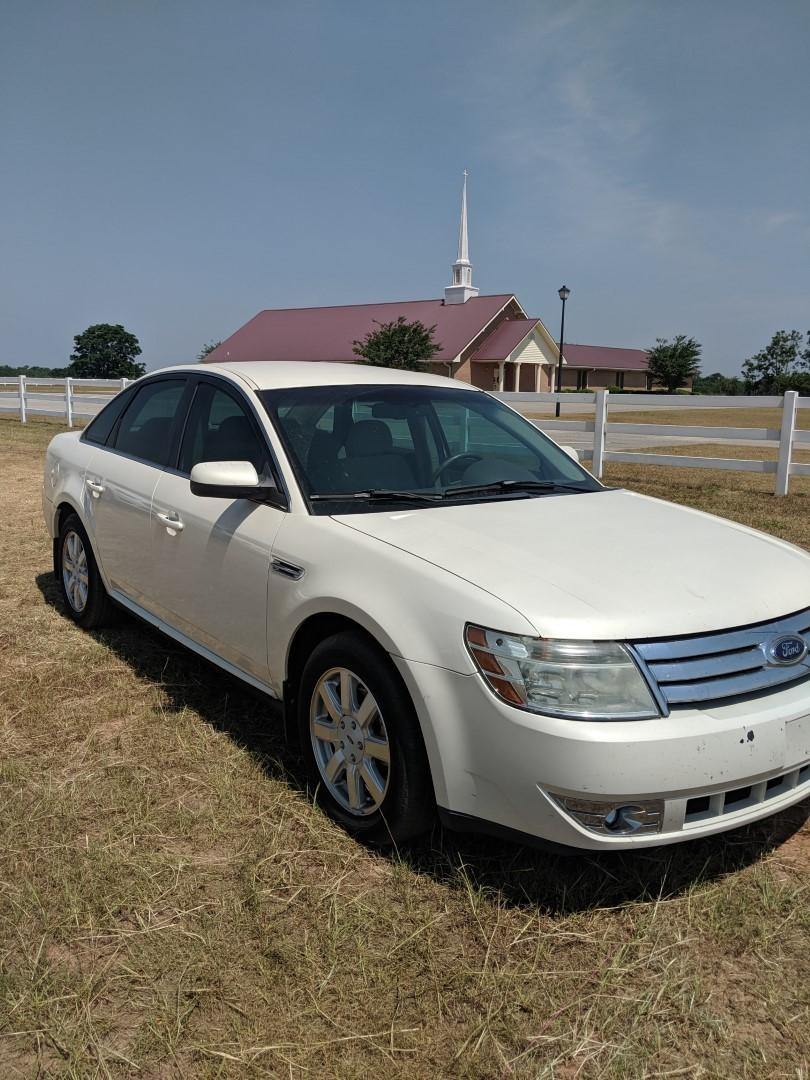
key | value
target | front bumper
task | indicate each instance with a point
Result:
(501, 765)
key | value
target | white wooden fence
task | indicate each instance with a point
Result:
(787, 437)
(57, 397)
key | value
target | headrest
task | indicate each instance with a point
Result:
(367, 437)
(235, 427)
(234, 440)
(323, 446)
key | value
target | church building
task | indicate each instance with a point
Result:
(488, 341)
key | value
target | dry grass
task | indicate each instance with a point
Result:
(171, 904)
(744, 497)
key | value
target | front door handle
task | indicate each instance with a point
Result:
(173, 521)
(96, 488)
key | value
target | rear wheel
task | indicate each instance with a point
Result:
(83, 592)
(362, 742)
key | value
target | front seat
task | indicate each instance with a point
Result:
(235, 440)
(371, 461)
(323, 468)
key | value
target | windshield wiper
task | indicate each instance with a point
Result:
(377, 495)
(498, 486)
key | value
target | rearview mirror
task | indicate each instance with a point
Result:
(225, 480)
(390, 410)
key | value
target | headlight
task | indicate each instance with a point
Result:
(581, 680)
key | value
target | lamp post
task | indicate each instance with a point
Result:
(564, 293)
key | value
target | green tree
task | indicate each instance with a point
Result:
(207, 349)
(718, 383)
(33, 372)
(672, 363)
(797, 380)
(398, 344)
(772, 370)
(105, 351)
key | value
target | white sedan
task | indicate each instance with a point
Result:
(456, 615)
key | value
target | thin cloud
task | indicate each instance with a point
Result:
(776, 220)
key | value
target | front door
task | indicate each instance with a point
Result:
(213, 555)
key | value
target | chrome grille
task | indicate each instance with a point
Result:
(712, 667)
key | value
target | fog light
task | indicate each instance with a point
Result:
(614, 818)
(626, 819)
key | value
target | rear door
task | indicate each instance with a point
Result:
(121, 477)
(212, 556)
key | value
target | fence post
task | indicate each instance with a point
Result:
(124, 384)
(599, 424)
(23, 411)
(69, 401)
(786, 442)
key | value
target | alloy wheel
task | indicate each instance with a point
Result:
(75, 571)
(350, 741)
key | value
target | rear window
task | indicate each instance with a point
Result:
(147, 428)
(99, 429)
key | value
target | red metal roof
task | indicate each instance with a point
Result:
(605, 356)
(327, 333)
(503, 339)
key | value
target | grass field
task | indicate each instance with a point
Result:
(744, 497)
(172, 905)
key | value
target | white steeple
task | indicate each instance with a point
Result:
(462, 288)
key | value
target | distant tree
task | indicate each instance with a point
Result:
(35, 371)
(717, 383)
(672, 363)
(206, 349)
(105, 351)
(398, 344)
(771, 370)
(797, 380)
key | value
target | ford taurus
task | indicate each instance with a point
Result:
(457, 617)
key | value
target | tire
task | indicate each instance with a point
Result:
(85, 598)
(379, 801)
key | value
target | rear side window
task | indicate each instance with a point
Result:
(98, 430)
(147, 427)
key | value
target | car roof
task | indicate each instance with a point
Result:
(276, 374)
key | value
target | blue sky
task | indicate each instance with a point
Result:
(179, 166)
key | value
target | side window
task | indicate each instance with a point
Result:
(99, 428)
(219, 429)
(148, 426)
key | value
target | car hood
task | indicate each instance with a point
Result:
(607, 564)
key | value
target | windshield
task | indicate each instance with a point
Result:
(424, 444)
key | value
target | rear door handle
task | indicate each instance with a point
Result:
(95, 487)
(173, 521)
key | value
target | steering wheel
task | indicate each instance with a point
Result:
(454, 460)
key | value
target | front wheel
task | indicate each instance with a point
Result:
(362, 742)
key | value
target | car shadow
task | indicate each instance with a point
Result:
(552, 883)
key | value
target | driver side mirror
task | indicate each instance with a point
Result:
(228, 480)
(570, 451)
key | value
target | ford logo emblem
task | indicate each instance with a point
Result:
(789, 649)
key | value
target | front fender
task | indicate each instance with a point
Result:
(412, 608)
